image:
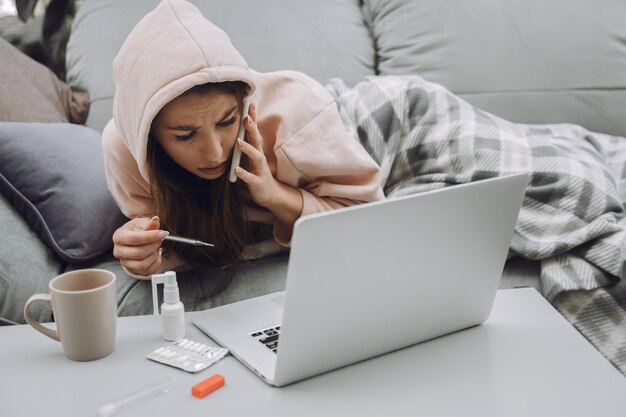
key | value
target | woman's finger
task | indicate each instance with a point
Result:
(127, 234)
(135, 252)
(244, 175)
(153, 224)
(253, 134)
(154, 267)
(254, 155)
(252, 110)
(142, 223)
(142, 267)
(138, 237)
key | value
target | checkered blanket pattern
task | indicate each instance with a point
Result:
(572, 218)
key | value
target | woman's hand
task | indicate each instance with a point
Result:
(258, 177)
(137, 244)
(281, 199)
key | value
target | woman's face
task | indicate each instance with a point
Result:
(198, 131)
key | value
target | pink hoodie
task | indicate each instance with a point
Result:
(174, 48)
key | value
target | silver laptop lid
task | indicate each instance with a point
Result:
(373, 278)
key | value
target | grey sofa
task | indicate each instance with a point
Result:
(536, 61)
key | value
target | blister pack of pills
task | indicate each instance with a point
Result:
(188, 355)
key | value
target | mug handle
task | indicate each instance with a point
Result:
(51, 333)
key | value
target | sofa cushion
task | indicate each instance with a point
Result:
(531, 61)
(53, 173)
(26, 267)
(323, 38)
(199, 289)
(30, 92)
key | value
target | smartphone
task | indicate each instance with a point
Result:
(232, 176)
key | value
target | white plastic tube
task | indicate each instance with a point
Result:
(137, 396)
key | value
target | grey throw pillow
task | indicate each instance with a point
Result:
(53, 173)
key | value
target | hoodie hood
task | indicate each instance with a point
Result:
(170, 50)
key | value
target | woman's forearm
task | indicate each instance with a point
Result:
(286, 204)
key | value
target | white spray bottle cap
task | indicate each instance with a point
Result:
(170, 289)
(172, 309)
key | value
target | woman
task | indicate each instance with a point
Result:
(180, 85)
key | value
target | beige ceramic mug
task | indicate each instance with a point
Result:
(84, 304)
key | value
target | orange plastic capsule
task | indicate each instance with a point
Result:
(207, 386)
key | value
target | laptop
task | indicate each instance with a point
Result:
(369, 279)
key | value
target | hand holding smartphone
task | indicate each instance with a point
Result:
(232, 176)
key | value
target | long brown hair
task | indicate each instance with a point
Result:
(207, 210)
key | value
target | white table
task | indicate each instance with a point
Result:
(525, 360)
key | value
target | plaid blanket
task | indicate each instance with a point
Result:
(572, 218)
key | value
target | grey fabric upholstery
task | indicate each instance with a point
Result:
(26, 267)
(198, 289)
(324, 38)
(531, 61)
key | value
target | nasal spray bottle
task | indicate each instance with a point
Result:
(172, 310)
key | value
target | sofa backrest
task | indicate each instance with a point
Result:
(530, 61)
(323, 38)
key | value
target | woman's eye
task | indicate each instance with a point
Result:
(186, 137)
(228, 122)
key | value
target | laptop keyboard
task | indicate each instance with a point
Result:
(268, 337)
